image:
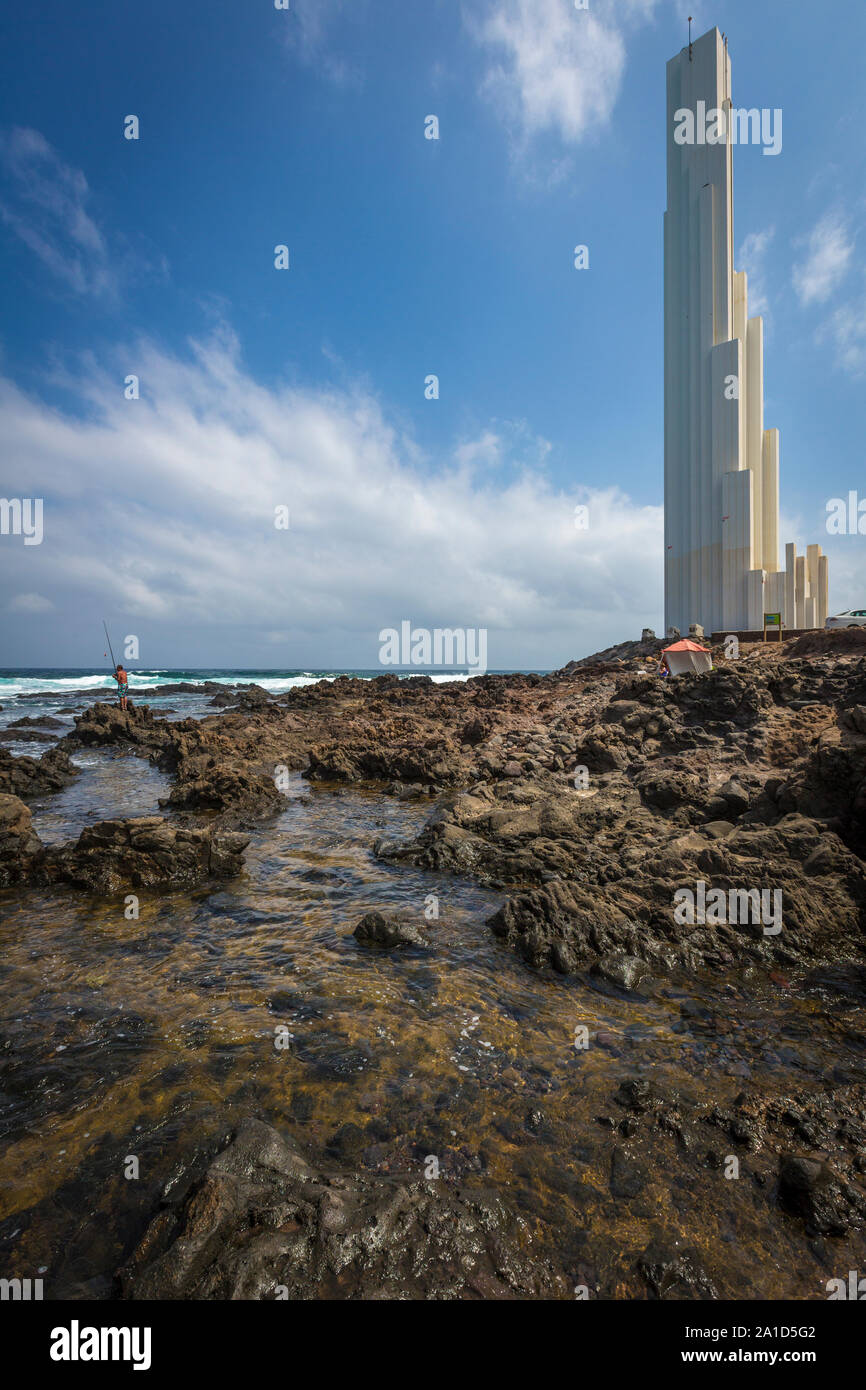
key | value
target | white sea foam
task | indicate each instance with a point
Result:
(13, 684)
(27, 685)
(139, 680)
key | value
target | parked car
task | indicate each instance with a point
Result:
(854, 617)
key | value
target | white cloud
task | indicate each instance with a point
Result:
(310, 35)
(162, 511)
(846, 329)
(553, 67)
(752, 259)
(828, 255)
(30, 603)
(46, 203)
(486, 449)
(46, 207)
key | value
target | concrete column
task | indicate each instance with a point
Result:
(770, 503)
(823, 591)
(698, 316)
(716, 530)
(736, 548)
(755, 428)
(800, 590)
(812, 553)
(774, 594)
(791, 585)
(741, 304)
(755, 590)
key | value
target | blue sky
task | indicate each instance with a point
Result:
(408, 257)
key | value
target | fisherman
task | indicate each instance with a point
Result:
(664, 668)
(122, 679)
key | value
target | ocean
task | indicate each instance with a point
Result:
(27, 680)
(63, 692)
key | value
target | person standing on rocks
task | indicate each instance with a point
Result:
(122, 678)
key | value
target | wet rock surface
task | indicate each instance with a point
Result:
(146, 852)
(586, 800)
(20, 847)
(389, 929)
(27, 777)
(117, 855)
(713, 779)
(591, 795)
(266, 1222)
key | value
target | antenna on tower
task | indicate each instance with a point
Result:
(690, 38)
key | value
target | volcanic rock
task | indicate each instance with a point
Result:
(392, 929)
(25, 777)
(144, 852)
(20, 847)
(266, 1222)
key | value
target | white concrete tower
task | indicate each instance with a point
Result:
(721, 464)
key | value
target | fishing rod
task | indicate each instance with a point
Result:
(108, 640)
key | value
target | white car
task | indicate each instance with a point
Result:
(854, 617)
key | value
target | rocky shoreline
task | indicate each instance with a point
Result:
(589, 798)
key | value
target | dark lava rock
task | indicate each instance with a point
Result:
(20, 846)
(219, 788)
(44, 721)
(265, 1222)
(627, 1178)
(666, 788)
(143, 852)
(626, 972)
(831, 785)
(348, 1143)
(437, 761)
(717, 829)
(735, 797)
(26, 777)
(393, 929)
(252, 697)
(674, 1275)
(808, 1188)
(475, 731)
(26, 736)
(638, 1096)
(102, 725)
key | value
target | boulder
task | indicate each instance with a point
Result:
(217, 787)
(144, 852)
(26, 736)
(44, 721)
(27, 777)
(103, 725)
(809, 1188)
(20, 847)
(391, 929)
(268, 1222)
(625, 972)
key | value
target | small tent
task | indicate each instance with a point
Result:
(686, 656)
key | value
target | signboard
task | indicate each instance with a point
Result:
(773, 620)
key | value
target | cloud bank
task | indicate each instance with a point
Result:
(162, 510)
(553, 67)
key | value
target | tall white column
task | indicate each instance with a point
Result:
(721, 464)
(770, 504)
